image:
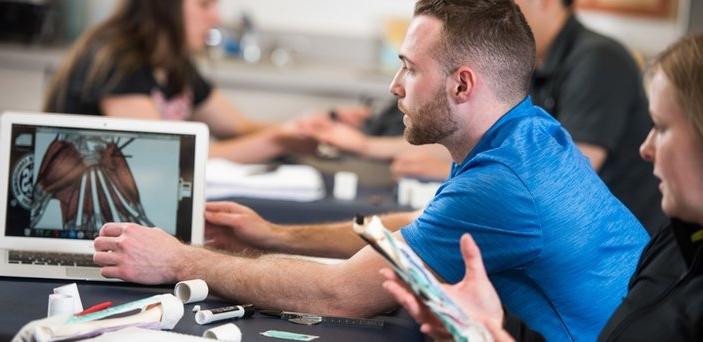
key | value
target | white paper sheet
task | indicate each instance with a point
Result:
(287, 182)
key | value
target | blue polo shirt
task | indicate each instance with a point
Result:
(557, 245)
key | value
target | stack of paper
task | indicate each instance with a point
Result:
(286, 182)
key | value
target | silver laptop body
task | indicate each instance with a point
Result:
(63, 176)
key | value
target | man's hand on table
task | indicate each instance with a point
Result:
(139, 254)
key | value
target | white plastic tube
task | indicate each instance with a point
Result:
(225, 332)
(191, 291)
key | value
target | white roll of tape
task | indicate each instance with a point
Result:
(60, 304)
(191, 291)
(71, 290)
(226, 332)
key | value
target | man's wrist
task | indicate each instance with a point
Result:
(186, 262)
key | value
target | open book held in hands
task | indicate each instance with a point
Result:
(410, 268)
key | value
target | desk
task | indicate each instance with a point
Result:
(23, 300)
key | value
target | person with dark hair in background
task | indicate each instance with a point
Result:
(138, 64)
(592, 85)
(558, 245)
(665, 296)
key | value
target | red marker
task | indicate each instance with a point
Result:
(95, 308)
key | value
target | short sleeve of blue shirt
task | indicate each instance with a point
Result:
(503, 223)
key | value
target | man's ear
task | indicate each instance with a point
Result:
(462, 83)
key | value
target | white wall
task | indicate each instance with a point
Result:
(642, 34)
(357, 18)
(364, 18)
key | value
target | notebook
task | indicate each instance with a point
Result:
(63, 176)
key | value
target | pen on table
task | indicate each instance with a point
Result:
(95, 308)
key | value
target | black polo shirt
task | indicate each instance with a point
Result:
(664, 300)
(591, 84)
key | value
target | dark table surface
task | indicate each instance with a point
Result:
(23, 300)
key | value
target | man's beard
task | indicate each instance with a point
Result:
(431, 123)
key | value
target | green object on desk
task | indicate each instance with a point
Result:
(286, 335)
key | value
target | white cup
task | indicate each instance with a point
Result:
(71, 290)
(345, 184)
(405, 190)
(60, 304)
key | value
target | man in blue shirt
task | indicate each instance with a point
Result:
(558, 245)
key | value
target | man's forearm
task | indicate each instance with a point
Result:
(274, 281)
(335, 240)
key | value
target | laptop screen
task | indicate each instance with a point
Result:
(66, 183)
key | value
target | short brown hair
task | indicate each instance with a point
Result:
(682, 63)
(492, 34)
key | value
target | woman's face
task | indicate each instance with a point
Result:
(676, 151)
(199, 17)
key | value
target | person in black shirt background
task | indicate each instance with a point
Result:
(593, 86)
(665, 294)
(138, 64)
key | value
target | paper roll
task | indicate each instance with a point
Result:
(226, 332)
(60, 304)
(71, 290)
(191, 291)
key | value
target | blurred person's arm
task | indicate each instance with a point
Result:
(352, 140)
(354, 116)
(430, 162)
(594, 153)
(245, 140)
(224, 119)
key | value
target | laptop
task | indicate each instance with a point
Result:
(63, 176)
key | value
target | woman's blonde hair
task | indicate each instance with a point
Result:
(139, 33)
(682, 63)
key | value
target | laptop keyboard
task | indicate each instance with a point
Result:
(44, 258)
